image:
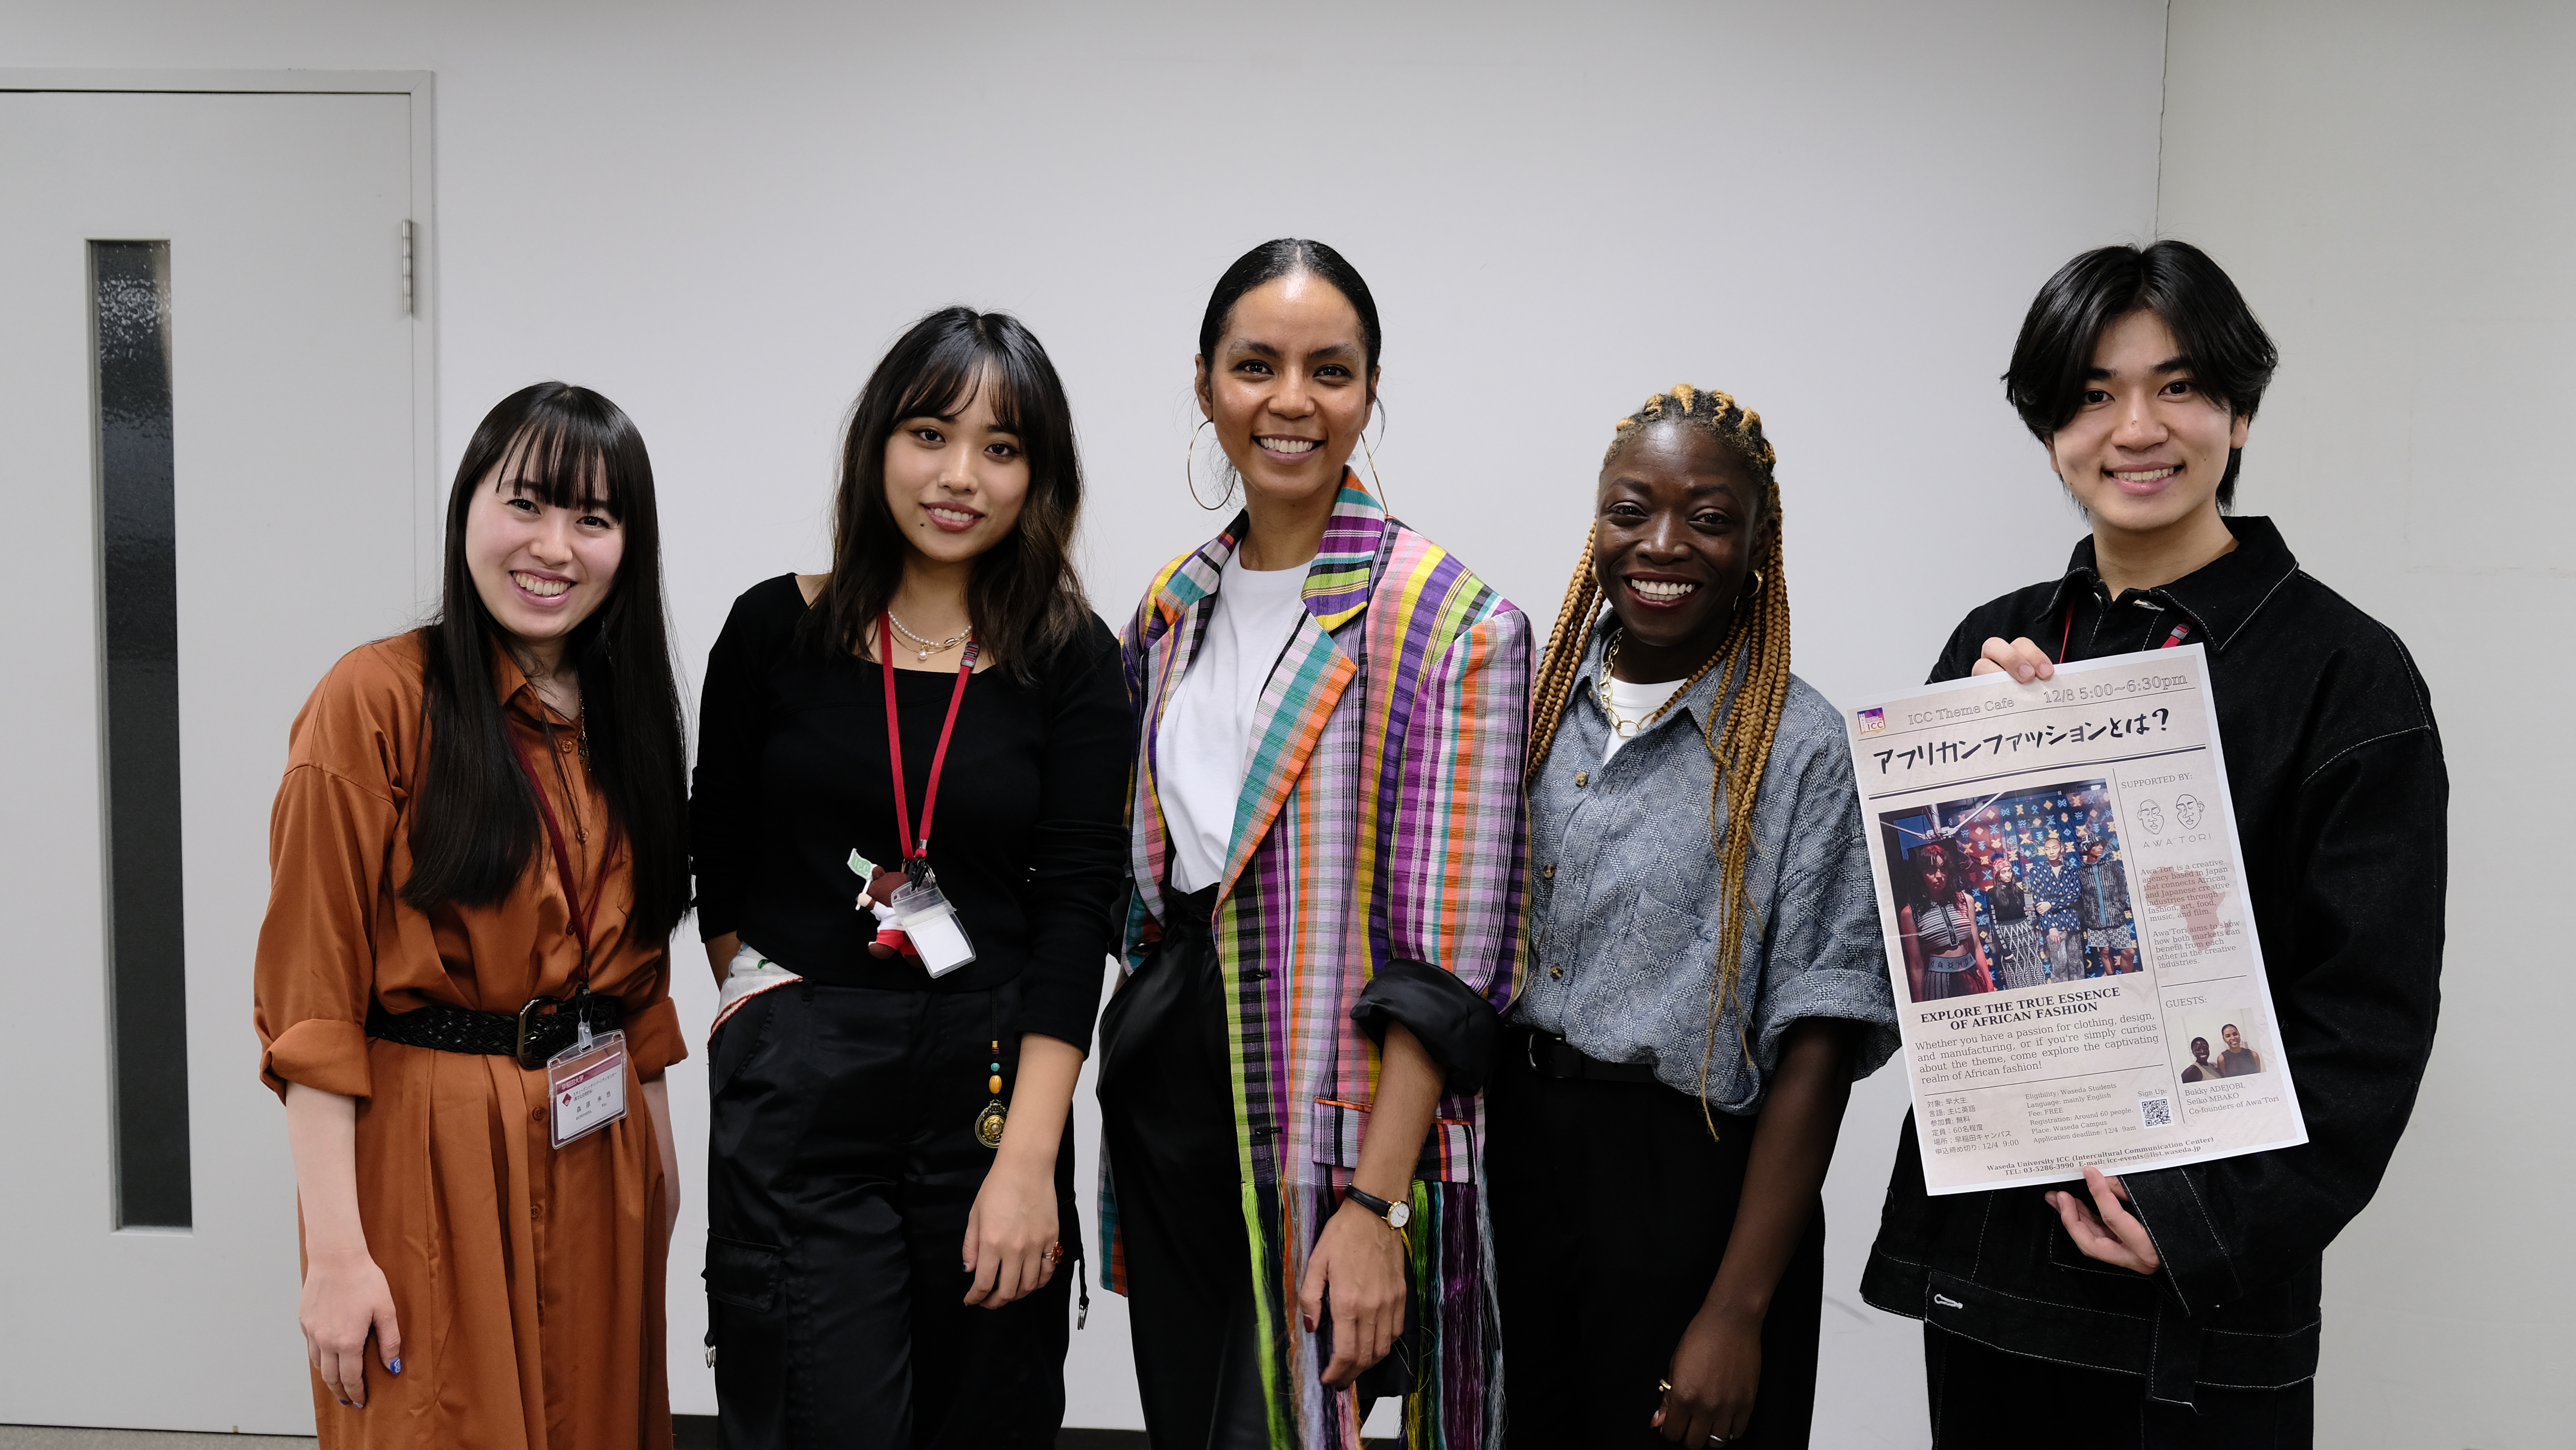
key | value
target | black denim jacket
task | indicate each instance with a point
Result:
(2341, 797)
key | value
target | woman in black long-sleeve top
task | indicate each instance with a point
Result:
(890, 1181)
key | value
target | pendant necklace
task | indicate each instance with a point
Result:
(990, 1122)
(925, 647)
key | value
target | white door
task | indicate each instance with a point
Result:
(241, 505)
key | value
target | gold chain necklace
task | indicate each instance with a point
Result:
(926, 648)
(1627, 729)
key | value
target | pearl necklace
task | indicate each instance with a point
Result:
(926, 647)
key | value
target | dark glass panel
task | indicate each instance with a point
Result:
(139, 587)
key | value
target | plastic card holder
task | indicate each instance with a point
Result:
(586, 1085)
(931, 923)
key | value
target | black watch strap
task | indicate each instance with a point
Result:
(1395, 1214)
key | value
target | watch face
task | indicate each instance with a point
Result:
(1399, 1214)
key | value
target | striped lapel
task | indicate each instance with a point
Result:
(1312, 672)
(1172, 637)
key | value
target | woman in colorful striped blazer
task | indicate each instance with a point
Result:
(1328, 842)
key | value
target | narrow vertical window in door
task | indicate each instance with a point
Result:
(139, 595)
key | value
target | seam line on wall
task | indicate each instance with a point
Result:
(2164, 96)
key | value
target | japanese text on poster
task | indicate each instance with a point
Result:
(2076, 969)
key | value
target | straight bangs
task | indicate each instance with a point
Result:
(567, 459)
(952, 373)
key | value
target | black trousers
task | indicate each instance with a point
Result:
(1611, 1209)
(1167, 1113)
(1984, 1397)
(841, 1164)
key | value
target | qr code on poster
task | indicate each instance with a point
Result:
(2158, 1112)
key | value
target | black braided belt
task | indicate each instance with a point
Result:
(532, 1035)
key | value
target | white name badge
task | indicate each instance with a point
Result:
(933, 928)
(586, 1083)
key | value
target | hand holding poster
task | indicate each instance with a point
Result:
(2077, 975)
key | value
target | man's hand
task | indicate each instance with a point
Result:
(2116, 1237)
(2019, 658)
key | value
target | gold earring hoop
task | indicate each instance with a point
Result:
(1753, 585)
(1190, 471)
(1375, 485)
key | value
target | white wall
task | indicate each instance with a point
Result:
(721, 215)
(2394, 186)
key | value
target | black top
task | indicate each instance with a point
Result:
(1030, 839)
(2335, 766)
(2007, 901)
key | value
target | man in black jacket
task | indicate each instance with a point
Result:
(2179, 1307)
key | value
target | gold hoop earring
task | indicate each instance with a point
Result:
(1375, 485)
(1190, 471)
(1753, 585)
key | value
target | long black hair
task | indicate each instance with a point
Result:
(1023, 598)
(2231, 356)
(476, 826)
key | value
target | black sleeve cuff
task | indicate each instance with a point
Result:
(1456, 1024)
(716, 916)
(1061, 1002)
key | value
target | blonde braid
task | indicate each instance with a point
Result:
(1739, 751)
(1556, 670)
(1755, 673)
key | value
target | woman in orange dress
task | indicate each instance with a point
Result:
(477, 859)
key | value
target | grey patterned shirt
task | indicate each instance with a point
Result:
(1623, 921)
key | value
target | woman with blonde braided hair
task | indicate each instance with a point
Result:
(1704, 978)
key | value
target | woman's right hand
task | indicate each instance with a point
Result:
(2019, 658)
(345, 1299)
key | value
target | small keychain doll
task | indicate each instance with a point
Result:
(878, 898)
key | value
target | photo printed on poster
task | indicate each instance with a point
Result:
(2059, 882)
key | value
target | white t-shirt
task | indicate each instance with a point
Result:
(1633, 702)
(1205, 744)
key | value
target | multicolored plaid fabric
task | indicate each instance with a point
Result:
(1381, 820)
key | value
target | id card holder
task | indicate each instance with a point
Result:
(586, 1085)
(932, 926)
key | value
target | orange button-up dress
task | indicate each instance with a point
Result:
(527, 1281)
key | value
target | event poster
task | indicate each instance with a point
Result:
(2076, 969)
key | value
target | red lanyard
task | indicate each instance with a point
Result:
(2180, 632)
(917, 849)
(581, 916)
